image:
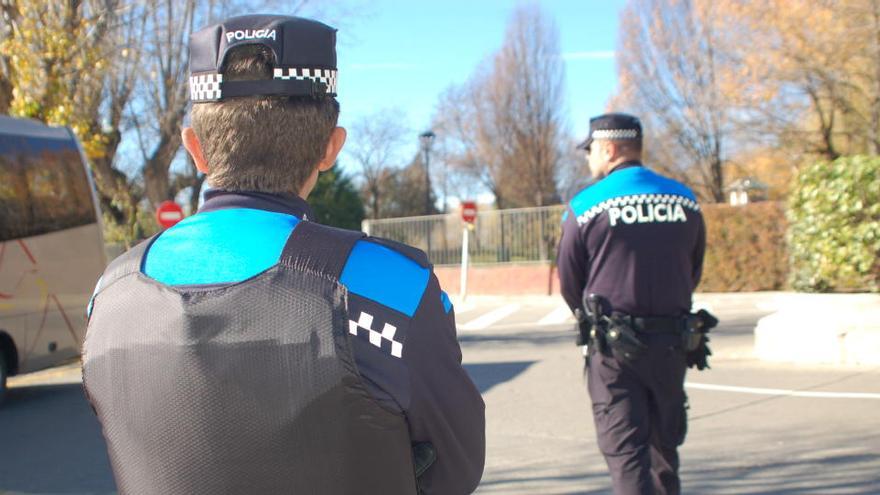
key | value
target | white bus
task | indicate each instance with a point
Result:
(51, 246)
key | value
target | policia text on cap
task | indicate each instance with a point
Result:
(248, 350)
(629, 259)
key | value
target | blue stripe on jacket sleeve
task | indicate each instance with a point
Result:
(447, 304)
(385, 276)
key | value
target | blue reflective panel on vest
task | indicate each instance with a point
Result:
(447, 304)
(627, 182)
(385, 276)
(216, 247)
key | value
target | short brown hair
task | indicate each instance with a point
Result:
(262, 143)
(629, 145)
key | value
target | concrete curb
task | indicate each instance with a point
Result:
(839, 329)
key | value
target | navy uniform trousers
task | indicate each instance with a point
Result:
(639, 408)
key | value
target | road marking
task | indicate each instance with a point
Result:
(491, 317)
(556, 317)
(464, 307)
(777, 391)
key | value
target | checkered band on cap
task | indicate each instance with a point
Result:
(613, 134)
(205, 87)
(326, 76)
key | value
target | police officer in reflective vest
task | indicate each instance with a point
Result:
(249, 350)
(629, 259)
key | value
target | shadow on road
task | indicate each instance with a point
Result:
(513, 481)
(487, 375)
(51, 442)
(846, 473)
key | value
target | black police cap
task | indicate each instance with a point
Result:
(613, 126)
(305, 57)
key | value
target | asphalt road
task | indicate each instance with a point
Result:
(755, 427)
(749, 433)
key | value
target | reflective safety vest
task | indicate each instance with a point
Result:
(246, 388)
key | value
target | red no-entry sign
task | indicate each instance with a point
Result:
(469, 211)
(168, 213)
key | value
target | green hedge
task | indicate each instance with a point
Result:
(745, 248)
(834, 211)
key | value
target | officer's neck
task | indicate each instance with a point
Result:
(621, 164)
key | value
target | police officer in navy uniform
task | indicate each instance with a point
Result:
(630, 257)
(250, 350)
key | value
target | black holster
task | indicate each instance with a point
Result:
(593, 323)
(583, 327)
(624, 339)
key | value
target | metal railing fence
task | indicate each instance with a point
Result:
(499, 236)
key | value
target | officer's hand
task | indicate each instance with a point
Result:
(700, 356)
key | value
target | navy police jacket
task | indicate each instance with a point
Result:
(401, 325)
(635, 237)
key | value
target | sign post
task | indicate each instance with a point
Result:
(168, 213)
(468, 216)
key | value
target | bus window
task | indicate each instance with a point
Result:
(44, 187)
(15, 215)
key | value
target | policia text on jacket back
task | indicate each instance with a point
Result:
(248, 350)
(629, 259)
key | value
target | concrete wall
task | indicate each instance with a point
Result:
(821, 329)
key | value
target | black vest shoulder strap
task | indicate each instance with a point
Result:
(318, 248)
(127, 263)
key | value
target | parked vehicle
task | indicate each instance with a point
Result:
(51, 246)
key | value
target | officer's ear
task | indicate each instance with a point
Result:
(610, 150)
(334, 146)
(194, 148)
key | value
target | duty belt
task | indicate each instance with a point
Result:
(652, 324)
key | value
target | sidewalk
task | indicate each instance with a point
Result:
(821, 329)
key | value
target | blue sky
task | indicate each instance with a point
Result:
(403, 54)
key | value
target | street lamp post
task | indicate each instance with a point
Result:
(427, 140)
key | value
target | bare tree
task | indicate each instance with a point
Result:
(506, 122)
(119, 195)
(669, 66)
(166, 92)
(405, 191)
(375, 144)
(528, 90)
(574, 171)
(464, 133)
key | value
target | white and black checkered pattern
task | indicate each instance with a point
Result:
(326, 76)
(615, 134)
(205, 87)
(365, 321)
(636, 199)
